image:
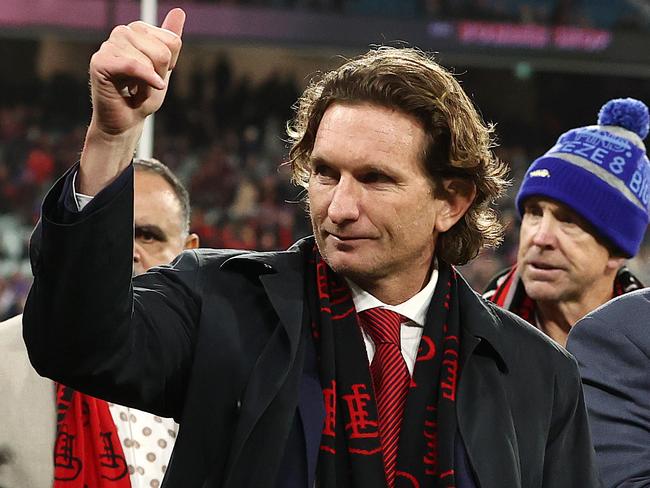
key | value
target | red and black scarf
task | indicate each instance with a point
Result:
(507, 290)
(87, 451)
(350, 451)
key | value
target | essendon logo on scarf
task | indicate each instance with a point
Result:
(87, 451)
(450, 367)
(321, 278)
(359, 425)
(67, 465)
(431, 435)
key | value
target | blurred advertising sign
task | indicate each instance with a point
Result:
(527, 36)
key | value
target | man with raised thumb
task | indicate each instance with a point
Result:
(129, 77)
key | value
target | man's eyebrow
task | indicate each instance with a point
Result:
(314, 160)
(153, 230)
(365, 167)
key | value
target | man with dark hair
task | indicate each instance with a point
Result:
(357, 358)
(161, 231)
(584, 208)
(38, 447)
(152, 165)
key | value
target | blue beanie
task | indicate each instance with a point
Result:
(602, 172)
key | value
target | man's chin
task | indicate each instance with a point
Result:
(542, 291)
(345, 265)
(347, 262)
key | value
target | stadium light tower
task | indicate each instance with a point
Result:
(149, 14)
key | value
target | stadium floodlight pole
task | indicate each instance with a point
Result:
(149, 14)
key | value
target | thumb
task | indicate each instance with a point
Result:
(174, 21)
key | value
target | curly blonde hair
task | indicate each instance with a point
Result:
(458, 143)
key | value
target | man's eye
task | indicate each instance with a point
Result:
(146, 236)
(567, 219)
(376, 177)
(323, 171)
(533, 211)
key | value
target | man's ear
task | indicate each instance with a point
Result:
(455, 195)
(191, 241)
(614, 263)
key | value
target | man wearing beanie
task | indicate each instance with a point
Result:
(584, 209)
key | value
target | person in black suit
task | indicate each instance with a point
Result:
(357, 358)
(612, 347)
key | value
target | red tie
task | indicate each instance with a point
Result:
(391, 379)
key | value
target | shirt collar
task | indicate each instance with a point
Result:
(414, 309)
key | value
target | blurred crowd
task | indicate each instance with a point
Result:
(616, 14)
(226, 144)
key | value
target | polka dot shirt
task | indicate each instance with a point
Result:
(147, 441)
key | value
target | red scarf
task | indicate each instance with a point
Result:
(87, 451)
(350, 451)
(507, 291)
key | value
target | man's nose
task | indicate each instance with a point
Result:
(137, 252)
(138, 259)
(344, 205)
(545, 232)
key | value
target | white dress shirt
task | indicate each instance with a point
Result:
(414, 309)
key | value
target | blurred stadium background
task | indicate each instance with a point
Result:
(534, 67)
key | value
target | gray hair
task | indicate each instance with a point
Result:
(152, 165)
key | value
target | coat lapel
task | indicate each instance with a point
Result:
(283, 280)
(485, 420)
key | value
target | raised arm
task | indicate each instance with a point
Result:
(86, 324)
(129, 77)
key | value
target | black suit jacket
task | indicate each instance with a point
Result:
(218, 340)
(612, 346)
